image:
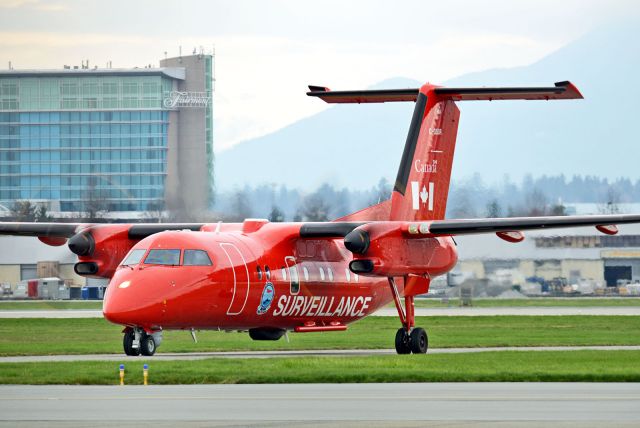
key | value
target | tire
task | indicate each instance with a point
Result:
(127, 344)
(419, 341)
(266, 333)
(403, 345)
(147, 345)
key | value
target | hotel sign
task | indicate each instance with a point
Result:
(178, 99)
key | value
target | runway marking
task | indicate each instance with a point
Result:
(332, 397)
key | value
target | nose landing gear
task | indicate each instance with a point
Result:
(136, 341)
(409, 339)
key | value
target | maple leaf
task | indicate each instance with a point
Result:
(424, 195)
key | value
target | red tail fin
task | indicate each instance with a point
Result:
(422, 185)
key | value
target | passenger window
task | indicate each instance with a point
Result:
(321, 273)
(330, 274)
(284, 273)
(267, 273)
(259, 273)
(133, 258)
(163, 257)
(305, 272)
(347, 274)
(196, 258)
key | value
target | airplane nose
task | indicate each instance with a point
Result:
(126, 303)
(114, 310)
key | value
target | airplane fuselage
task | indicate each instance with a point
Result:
(263, 278)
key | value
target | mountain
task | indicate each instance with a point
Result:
(355, 145)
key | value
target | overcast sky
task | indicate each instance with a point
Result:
(268, 51)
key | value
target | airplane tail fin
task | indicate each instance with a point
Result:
(422, 184)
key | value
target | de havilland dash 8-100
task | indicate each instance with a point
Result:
(271, 278)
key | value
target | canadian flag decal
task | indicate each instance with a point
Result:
(422, 196)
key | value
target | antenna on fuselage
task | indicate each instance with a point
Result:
(218, 227)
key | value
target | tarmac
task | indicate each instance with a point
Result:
(384, 312)
(370, 405)
(190, 356)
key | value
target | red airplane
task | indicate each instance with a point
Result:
(270, 278)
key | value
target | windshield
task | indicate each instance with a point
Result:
(163, 257)
(134, 257)
(196, 258)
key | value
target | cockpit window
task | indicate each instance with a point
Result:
(134, 257)
(163, 257)
(196, 258)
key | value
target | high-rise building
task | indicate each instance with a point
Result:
(84, 139)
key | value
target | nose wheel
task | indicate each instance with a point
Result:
(137, 342)
(409, 339)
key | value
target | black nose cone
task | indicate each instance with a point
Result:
(82, 244)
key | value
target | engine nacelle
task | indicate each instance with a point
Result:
(100, 249)
(399, 249)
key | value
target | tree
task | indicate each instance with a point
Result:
(493, 209)
(611, 204)
(94, 205)
(535, 203)
(558, 209)
(315, 208)
(23, 211)
(381, 192)
(41, 213)
(240, 206)
(276, 214)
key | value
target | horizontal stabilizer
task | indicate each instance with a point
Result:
(560, 91)
(357, 97)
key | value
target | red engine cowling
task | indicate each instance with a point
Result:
(100, 249)
(394, 249)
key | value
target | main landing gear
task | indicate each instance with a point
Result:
(138, 342)
(409, 339)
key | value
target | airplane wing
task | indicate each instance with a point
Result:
(400, 248)
(45, 230)
(68, 230)
(494, 225)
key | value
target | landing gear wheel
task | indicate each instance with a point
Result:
(403, 342)
(419, 341)
(147, 345)
(127, 344)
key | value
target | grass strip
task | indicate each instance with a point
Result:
(38, 336)
(553, 366)
(34, 305)
(533, 302)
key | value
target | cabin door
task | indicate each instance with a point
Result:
(240, 278)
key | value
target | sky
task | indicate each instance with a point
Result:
(267, 52)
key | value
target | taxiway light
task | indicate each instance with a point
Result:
(121, 374)
(145, 373)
